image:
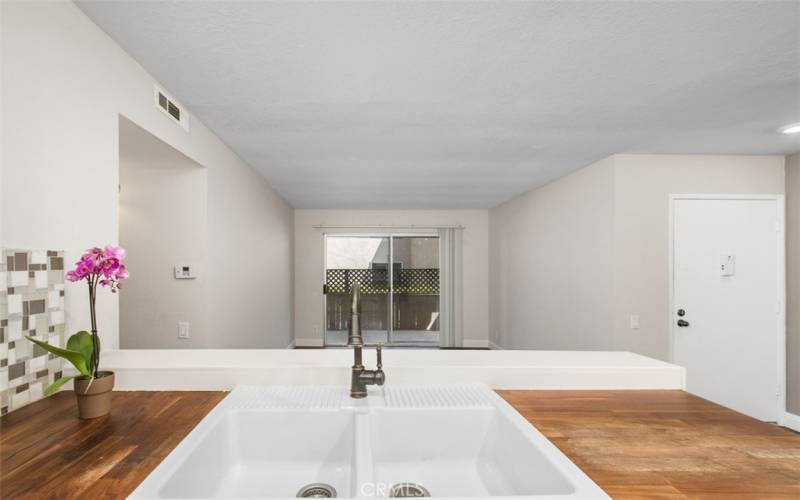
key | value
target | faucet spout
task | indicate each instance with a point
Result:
(354, 337)
(360, 376)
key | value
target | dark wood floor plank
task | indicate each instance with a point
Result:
(634, 444)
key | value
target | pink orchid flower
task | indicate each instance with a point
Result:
(101, 265)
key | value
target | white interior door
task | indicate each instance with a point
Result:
(727, 297)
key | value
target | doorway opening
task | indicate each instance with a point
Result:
(163, 226)
(400, 286)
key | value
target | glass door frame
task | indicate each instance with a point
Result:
(376, 233)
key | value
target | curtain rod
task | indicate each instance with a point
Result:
(411, 226)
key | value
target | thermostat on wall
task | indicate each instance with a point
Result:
(184, 272)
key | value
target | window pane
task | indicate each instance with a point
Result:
(415, 308)
(357, 259)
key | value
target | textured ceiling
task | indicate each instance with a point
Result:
(400, 104)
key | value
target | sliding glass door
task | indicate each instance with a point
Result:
(399, 277)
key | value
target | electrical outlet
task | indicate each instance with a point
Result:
(183, 329)
(634, 322)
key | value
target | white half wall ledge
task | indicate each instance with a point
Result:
(790, 421)
(310, 342)
(475, 344)
(161, 370)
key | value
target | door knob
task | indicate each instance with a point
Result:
(683, 323)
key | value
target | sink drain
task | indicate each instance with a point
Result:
(317, 490)
(408, 490)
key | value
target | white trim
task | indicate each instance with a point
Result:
(411, 226)
(308, 343)
(782, 370)
(322, 329)
(790, 420)
(475, 344)
(376, 233)
(781, 292)
(493, 346)
(718, 196)
(390, 303)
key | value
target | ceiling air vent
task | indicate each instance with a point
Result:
(169, 106)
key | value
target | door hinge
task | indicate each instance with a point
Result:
(325, 289)
(777, 307)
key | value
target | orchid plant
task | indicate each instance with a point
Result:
(97, 266)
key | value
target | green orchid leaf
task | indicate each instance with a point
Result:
(74, 357)
(82, 342)
(57, 385)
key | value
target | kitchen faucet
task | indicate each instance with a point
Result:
(361, 377)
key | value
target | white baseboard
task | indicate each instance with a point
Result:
(475, 344)
(308, 343)
(494, 346)
(790, 420)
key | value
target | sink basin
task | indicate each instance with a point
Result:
(263, 454)
(455, 441)
(471, 452)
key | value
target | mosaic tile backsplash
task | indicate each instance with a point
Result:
(31, 304)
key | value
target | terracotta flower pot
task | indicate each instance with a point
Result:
(94, 400)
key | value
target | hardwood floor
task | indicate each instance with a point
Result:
(634, 444)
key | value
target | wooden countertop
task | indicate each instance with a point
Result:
(634, 444)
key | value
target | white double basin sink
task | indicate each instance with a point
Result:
(450, 441)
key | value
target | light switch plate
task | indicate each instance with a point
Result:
(183, 329)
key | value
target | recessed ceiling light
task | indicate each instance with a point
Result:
(792, 128)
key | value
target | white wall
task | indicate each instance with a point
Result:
(573, 260)
(65, 83)
(642, 185)
(2, 121)
(162, 223)
(550, 264)
(793, 283)
(310, 272)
